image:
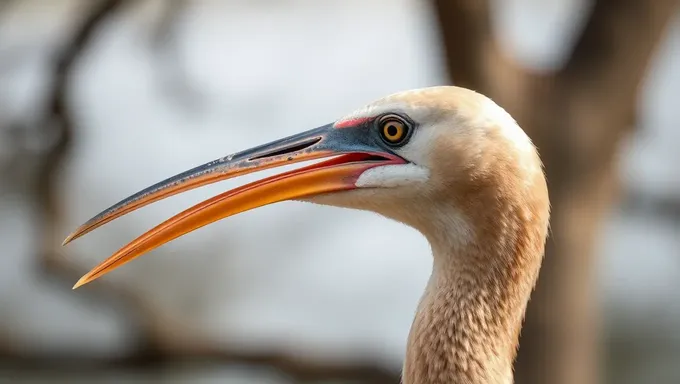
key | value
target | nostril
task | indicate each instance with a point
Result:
(285, 150)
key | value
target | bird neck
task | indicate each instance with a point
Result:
(467, 326)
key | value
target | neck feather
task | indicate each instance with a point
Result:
(467, 325)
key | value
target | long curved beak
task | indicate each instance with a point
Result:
(352, 149)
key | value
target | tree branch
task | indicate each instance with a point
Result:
(298, 370)
(664, 207)
(60, 122)
(617, 45)
(59, 117)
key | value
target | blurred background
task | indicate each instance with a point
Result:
(99, 99)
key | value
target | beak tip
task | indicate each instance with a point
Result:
(83, 280)
(72, 236)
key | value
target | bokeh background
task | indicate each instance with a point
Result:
(99, 99)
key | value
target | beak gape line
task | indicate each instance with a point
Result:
(349, 151)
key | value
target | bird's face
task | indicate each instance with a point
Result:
(462, 155)
(403, 156)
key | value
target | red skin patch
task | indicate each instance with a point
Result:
(352, 122)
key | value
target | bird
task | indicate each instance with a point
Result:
(445, 160)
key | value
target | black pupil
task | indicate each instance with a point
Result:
(392, 130)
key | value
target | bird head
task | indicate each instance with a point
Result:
(427, 157)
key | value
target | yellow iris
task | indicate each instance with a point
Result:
(393, 131)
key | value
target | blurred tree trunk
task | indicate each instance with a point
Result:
(577, 117)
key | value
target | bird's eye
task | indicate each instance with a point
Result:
(393, 130)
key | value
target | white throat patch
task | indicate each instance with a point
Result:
(389, 176)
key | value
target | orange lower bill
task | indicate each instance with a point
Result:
(330, 176)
